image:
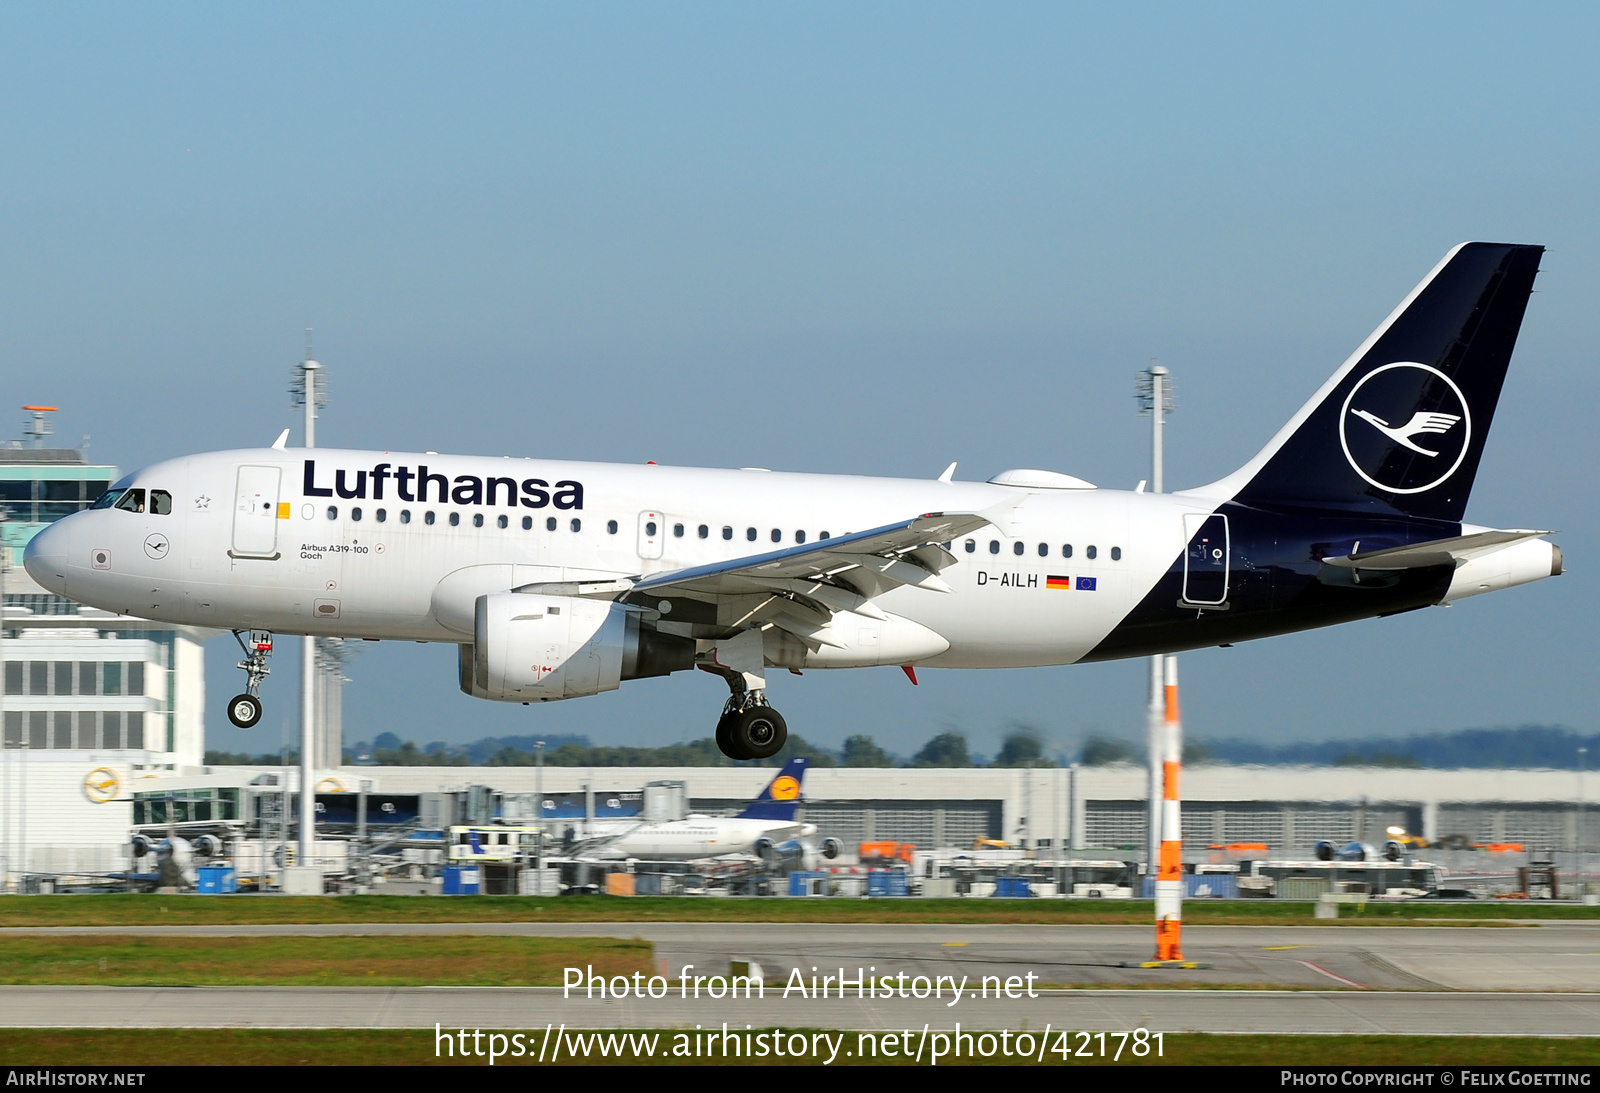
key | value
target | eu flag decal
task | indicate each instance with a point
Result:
(1086, 584)
(1062, 583)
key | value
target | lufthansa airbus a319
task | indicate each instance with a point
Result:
(560, 580)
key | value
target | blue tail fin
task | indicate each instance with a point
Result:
(782, 795)
(1399, 429)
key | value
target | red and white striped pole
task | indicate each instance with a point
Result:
(1169, 875)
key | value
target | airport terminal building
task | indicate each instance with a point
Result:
(90, 703)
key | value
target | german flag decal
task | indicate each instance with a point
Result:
(1063, 583)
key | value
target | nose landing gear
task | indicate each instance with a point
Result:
(244, 710)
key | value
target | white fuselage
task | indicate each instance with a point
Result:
(700, 837)
(245, 546)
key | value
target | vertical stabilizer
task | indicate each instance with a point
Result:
(781, 797)
(1399, 429)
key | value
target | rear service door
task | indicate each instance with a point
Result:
(255, 513)
(1205, 562)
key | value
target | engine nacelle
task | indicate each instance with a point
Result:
(832, 848)
(1352, 851)
(535, 648)
(208, 846)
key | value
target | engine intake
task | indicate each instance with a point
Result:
(529, 647)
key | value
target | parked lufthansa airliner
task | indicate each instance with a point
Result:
(560, 580)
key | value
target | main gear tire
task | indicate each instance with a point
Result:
(725, 736)
(759, 732)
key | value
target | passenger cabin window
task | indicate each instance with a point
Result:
(1017, 547)
(650, 528)
(750, 534)
(1116, 554)
(405, 516)
(132, 501)
(611, 527)
(971, 546)
(550, 523)
(333, 512)
(994, 546)
(477, 519)
(727, 533)
(777, 535)
(799, 536)
(705, 532)
(1091, 552)
(161, 502)
(427, 518)
(577, 525)
(503, 522)
(677, 531)
(355, 513)
(1066, 550)
(1044, 550)
(821, 535)
(455, 519)
(381, 515)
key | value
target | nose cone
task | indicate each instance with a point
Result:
(47, 554)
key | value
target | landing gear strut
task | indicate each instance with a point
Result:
(244, 710)
(750, 729)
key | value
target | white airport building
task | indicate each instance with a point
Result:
(90, 703)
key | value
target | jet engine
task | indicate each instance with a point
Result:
(832, 848)
(208, 846)
(1351, 851)
(529, 647)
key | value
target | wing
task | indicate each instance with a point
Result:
(800, 588)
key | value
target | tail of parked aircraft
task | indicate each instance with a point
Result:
(1399, 428)
(781, 797)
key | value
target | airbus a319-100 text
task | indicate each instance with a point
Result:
(559, 580)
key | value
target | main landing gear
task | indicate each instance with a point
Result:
(750, 729)
(244, 710)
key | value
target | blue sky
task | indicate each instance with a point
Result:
(852, 238)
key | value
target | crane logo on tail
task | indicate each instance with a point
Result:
(1405, 427)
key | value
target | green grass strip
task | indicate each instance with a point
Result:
(452, 960)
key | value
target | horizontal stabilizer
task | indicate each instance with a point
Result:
(1454, 551)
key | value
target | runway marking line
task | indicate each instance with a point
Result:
(1278, 948)
(954, 944)
(1330, 975)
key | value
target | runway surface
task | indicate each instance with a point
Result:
(1549, 956)
(531, 1009)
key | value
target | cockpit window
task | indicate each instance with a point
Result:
(107, 499)
(132, 501)
(161, 502)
